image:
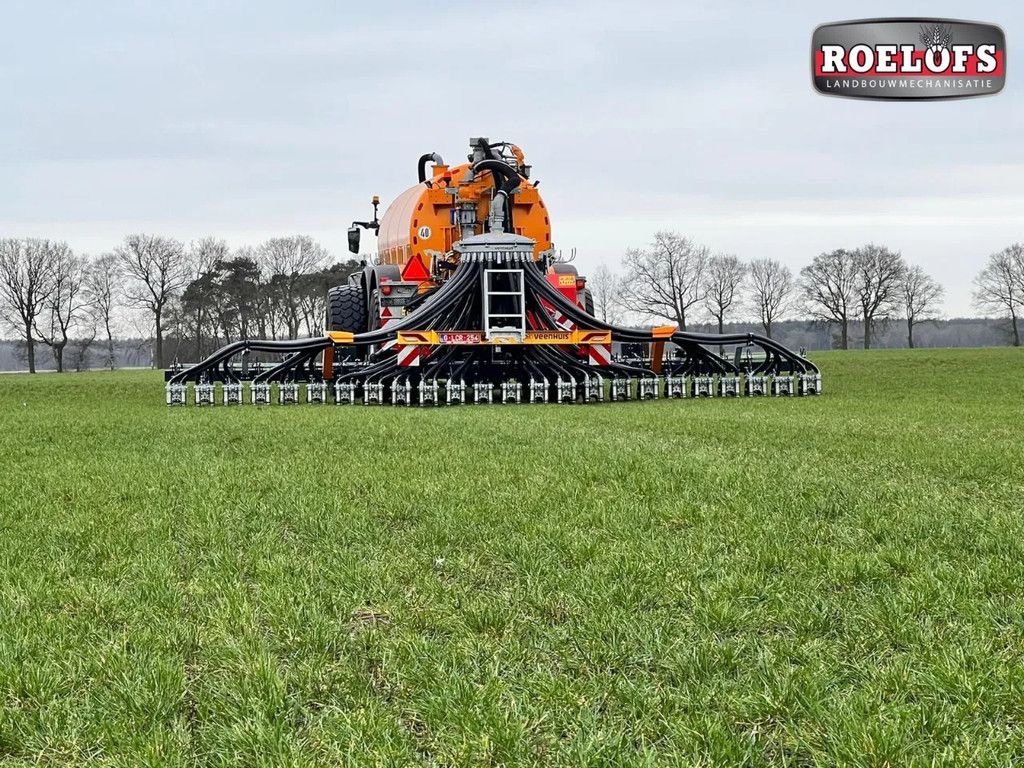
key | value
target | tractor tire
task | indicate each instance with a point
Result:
(588, 302)
(346, 309)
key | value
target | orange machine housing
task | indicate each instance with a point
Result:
(426, 217)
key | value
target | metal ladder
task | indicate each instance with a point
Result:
(509, 318)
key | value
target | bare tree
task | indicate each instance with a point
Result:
(26, 282)
(878, 275)
(176, 325)
(156, 269)
(666, 279)
(1016, 254)
(287, 260)
(203, 256)
(771, 290)
(606, 292)
(827, 290)
(921, 296)
(207, 252)
(999, 287)
(723, 279)
(66, 304)
(313, 300)
(104, 288)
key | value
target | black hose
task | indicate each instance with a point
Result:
(256, 345)
(431, 315)
(538, 282)
(543, 318)
(438, 301)
(291, 363)
(437, 360)
(768, 364)
(486, 148)
(462, 367)
(421, 166)
(371, 370)
(510, 180)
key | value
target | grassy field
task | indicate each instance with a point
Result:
(831, 581)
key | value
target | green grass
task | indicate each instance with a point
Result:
(831, 581)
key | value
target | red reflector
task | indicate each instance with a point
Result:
(416, 270)
(385, 289)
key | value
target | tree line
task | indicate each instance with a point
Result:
(204, 294)
(677, 279)
(203, 291)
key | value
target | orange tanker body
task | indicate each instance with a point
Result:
(454, 203)
(417, 235)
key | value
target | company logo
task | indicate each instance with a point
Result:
(908, 59)
(551, 336)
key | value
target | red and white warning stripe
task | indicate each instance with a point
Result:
(600, 354)
(559, 317)
(409, 355)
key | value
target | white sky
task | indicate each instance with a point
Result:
(252, 119)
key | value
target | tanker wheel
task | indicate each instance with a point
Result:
(588, 302)
(346, 311)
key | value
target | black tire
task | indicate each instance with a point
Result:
(346, 309)
(588, 302)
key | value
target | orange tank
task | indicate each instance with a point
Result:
(427, 217)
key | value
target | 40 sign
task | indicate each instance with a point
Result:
(912, 58)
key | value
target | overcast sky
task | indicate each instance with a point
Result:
(252, 119)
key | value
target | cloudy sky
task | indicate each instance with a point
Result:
(252, 119)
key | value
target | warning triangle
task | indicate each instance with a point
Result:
(416, 270)
(385, 312)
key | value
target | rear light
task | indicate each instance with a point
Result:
(385, 289)
(581, 283)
